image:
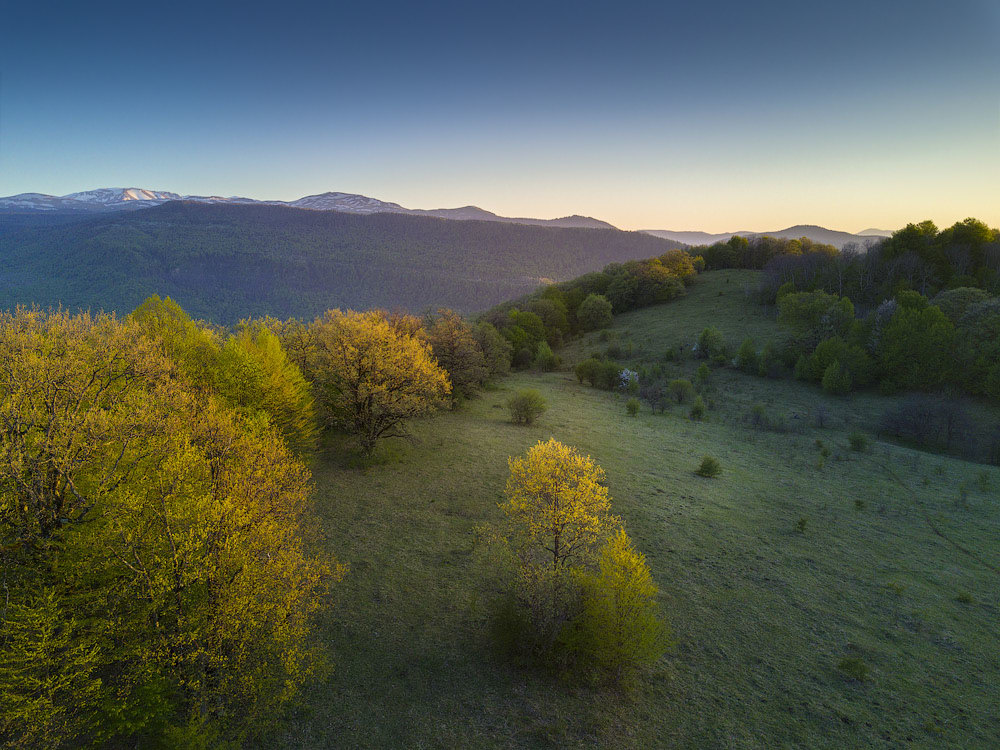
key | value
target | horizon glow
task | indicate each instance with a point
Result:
(647, 115)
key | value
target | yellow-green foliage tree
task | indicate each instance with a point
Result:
(152, 547)
(371, 377)
(250, 370)
(256, 374)
(557, 504)
(574, 592)
(619, 631)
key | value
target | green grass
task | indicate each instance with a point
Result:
(762, 613)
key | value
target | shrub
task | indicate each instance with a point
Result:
(703, 374)
(632, 406)
(858, 441)
(801, 524)
(709, 467)
(711, 345)
(654, 392)
(681, 390)
(608, 376)
(837, 379)
(545, 360)
(697, 409)
(526, 406)
(587, 370)
(746, 356)
(618, 633)
(594, 312)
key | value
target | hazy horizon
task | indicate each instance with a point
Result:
(651, 116)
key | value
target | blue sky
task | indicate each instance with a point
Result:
(716, 116)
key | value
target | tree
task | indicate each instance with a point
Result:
(371, 378)
(457, 351)
(495, 348)
(594, 313)
(558, 505)
(255, 374)
(148, 532)
(681, 390)
(619, 631)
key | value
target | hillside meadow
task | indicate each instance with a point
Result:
(844, 600)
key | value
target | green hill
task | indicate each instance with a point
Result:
(772, 575)
(227, 262)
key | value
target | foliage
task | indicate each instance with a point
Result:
(371, 378)
(151, 543)
(697, 412)
(545, 360)
(495, 348)
(457, 352)
(619, 632)
(526, 406)
(711, 345)
(594, 313)
(709, 467)
(558, 505)
(681, 390)
(746, 356)
(837, 379)
(632, 406)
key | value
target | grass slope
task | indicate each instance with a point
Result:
(762, 612)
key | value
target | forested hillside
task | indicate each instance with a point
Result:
(227, 262)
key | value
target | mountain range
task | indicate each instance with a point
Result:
(123, 199)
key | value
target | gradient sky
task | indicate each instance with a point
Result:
(717, 116)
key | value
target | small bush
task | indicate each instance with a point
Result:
(837, 379)
(858, 441)
(859, 504)
(964, 597)
(711, 345)
(709, 467)
(854, 668)
(801, 524)
(587, 370)
(703, 374)
(746, 356)
(526, 406)
(545, 360)
(632, 406)
(697, 412)
(681, 390)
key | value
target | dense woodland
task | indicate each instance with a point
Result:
(226, 263)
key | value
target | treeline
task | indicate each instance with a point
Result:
(226, 263)
(755, 253)
(159, 580)
(536, 324)
(917, 257)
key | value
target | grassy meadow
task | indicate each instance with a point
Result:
(771, 575)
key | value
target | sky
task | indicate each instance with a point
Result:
(713, 116)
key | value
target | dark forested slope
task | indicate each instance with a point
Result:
(223, 262)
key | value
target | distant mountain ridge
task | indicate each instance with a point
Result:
(119, 199)
(815, 233)
(224, 261)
